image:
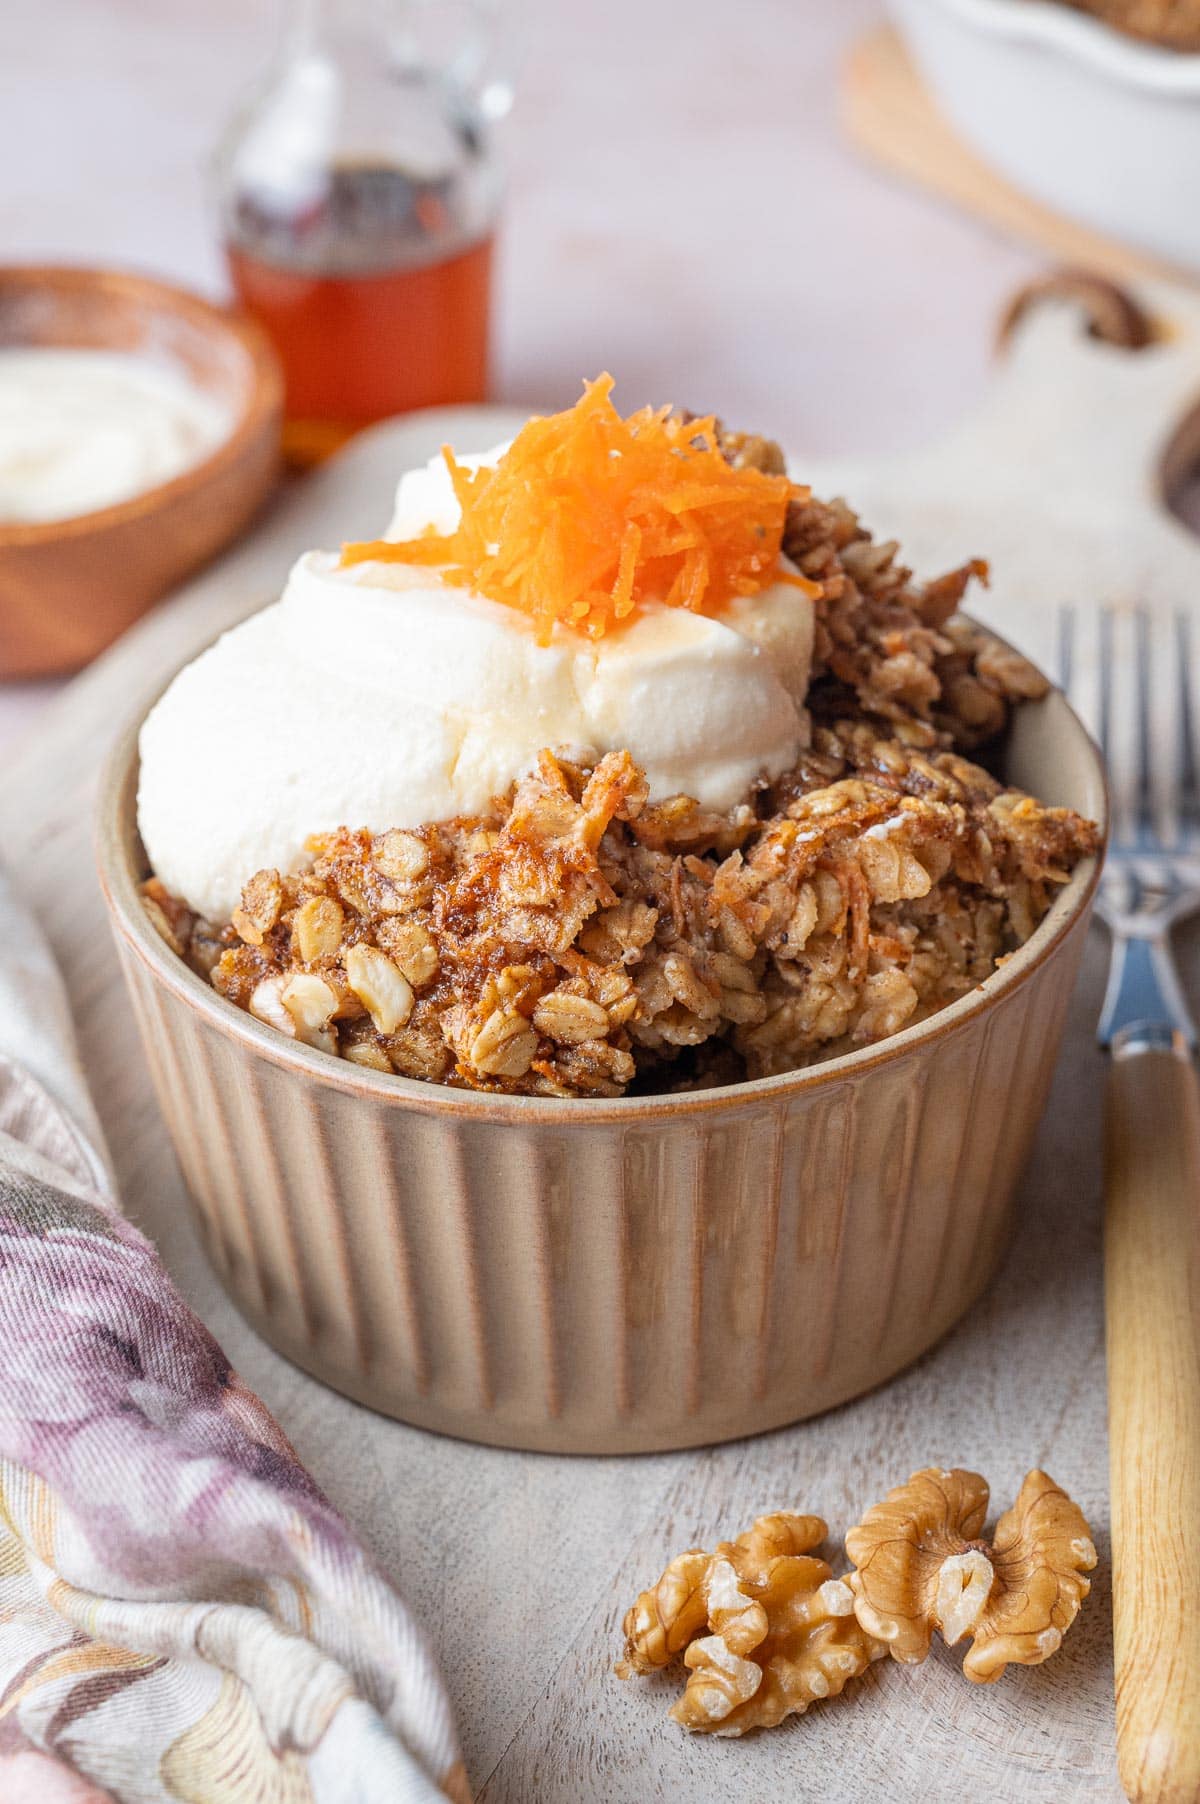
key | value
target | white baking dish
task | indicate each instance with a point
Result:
(1102, 127)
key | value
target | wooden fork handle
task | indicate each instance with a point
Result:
(1152, 1285)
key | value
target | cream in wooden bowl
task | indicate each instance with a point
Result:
(139, 432)
(84, 429)
(594, 1117)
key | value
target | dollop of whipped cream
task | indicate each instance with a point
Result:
(374, 695)
(80, 429)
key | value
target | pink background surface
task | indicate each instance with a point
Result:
(683, 207)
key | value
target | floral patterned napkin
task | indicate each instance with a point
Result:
(183, 1617)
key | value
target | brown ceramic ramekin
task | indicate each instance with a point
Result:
(602, 1277)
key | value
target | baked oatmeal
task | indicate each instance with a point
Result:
(583, 933)
(1175, 24)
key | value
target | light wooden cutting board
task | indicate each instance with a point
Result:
(890, 114)
(521, 1565)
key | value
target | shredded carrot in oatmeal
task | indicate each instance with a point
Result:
(587, 517)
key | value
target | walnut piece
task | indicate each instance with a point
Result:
(781, 1630)
(920, 1565)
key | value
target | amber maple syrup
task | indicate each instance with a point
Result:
(374, 303)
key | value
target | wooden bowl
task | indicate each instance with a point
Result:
(625, 1276)
(69, 587)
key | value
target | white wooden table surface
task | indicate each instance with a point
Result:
(521, 1564)
(682, 207)
(683, 211)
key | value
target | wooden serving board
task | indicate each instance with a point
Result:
(890, 114)
(522, 1565)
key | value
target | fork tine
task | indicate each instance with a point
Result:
(1189, 786)
(1143, 788)
(1106, 727)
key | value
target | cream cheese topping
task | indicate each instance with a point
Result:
(376, 695)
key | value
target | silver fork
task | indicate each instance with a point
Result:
(1152, 1204)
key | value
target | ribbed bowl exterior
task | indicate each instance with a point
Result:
(609, 1277)
(619, 1287)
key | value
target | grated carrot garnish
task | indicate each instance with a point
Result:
(587, 517)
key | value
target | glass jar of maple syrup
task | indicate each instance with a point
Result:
(358, 201)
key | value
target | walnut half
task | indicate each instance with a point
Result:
(921, 1565)
(764, 1628)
